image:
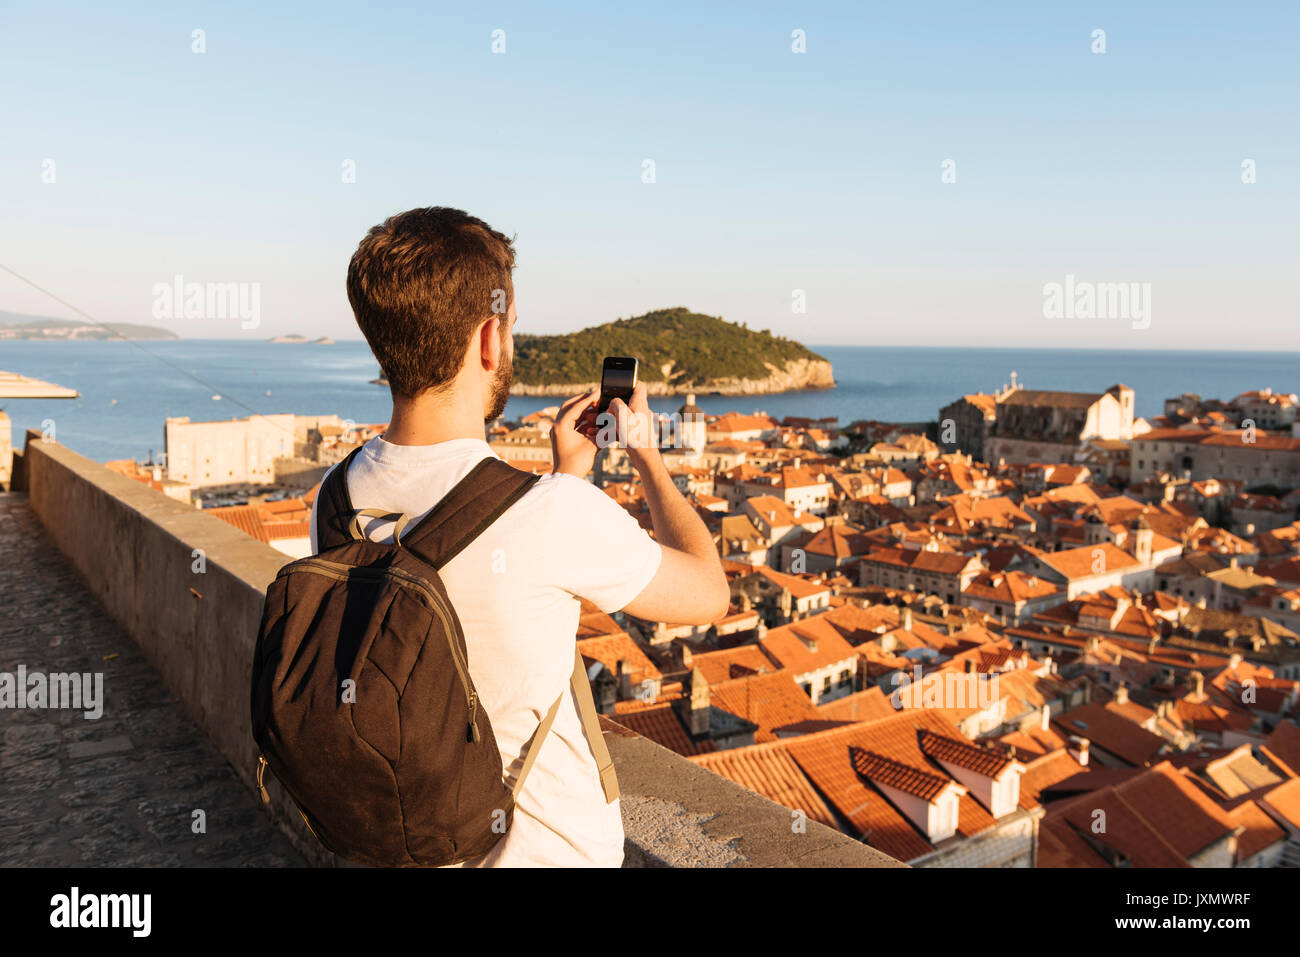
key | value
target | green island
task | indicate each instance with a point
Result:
(678, 351)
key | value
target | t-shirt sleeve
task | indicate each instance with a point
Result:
(597, 550)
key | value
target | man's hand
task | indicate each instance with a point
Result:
(573, 437)
(636, 427)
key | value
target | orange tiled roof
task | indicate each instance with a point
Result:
(796, 586)
(610, 649)
(1075, 563)
(1010, 587)
(984, 761)
(1283, 747)
(824, 758)
(1284, 800)
(736, 422)
(1044, 771)
(942, 563)
(887, 772)
(720, 666)
(806, 645)
(859, 706)
(770, 701)
(661, 724)
(772, 773)
(837, 541)
(1110, 731)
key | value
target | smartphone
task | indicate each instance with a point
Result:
(617, 381)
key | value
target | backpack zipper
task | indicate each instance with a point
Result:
(340, 572)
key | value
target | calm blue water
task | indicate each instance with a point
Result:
(886, 383)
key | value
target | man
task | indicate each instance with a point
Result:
(431, 291)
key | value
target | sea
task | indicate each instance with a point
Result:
(127, 388)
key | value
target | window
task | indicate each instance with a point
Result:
(846, 676)
(826, 684)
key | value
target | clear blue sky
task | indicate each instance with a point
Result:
(775, 171)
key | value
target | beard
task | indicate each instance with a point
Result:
(500, 390)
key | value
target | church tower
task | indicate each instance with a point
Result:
(693, 429)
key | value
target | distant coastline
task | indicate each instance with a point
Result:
(19, 326)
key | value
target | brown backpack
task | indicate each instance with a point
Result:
(362, 700)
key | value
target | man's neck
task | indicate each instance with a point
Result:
(428, 421)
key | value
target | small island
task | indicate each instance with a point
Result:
(295, 339)
(679, 351)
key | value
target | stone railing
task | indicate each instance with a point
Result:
(188, 589)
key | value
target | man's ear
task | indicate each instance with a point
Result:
(491, 348)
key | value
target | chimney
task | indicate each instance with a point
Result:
(1232, 562)
(905, 619)
(972, 666)
(1121, 694)
(624, 679)
(1046, 718)
(1078, 749)
(694, 705)
(1198, 685)
(1234, 660)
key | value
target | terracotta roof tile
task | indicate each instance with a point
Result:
(662, 725)
(887, 772)
(772, 773)
(984, 761)
(770, 701)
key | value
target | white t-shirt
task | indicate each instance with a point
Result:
(514, 590)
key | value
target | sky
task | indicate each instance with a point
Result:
(802, 192)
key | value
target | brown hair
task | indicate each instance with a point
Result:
(420, 283)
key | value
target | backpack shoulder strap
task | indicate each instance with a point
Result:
(334, 509)
(591, 725)
(473, 503)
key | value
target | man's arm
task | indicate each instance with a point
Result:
(690, 587)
